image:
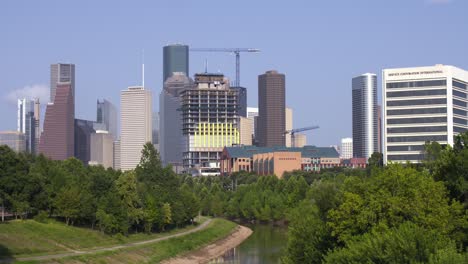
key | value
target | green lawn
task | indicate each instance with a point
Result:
(156, 252)
(25, 238)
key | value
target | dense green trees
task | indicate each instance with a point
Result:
(149, 198)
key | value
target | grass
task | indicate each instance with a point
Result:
(28, 238)
(154, 253)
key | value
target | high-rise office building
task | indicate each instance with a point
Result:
(135, 125)
(116, 149)
(155, 131)
(422, 104)
(365, 132)
(13, 139)
(83, 131)
(252, 114)
(245, 130)
(288, 126)
(170, 119)
(102, 149)
(106, 118)
(209, 114)
(57, 139)
(346, 150)
(271, 104)
(241, 100)
(28, 122)
(61, 73)
(175, 59)
(300, 140)
(379, 128)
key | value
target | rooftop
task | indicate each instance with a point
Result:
(306, 151)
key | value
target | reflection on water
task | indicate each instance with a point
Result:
(265, 245)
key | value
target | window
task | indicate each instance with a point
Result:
(460, 121)
(417, 111)
(417, 93)
(417, 129)
(393, 85)
(441, 119)
(417, 138)
(459, 103)
(406, 157)
(406, 148)
(459, 94)
(417, 102)
(459, 84)
(459, 112)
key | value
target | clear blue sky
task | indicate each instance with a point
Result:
(319, 45)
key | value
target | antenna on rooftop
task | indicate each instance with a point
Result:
(206, 65)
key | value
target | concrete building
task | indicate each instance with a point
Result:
(170, 119)
(422, 104)
(252, 114)
(209, 114)
(28, 122)
(102, 149)
(57, 139)
(379, 128)
(61, 73)
(155, 131)
(271, 103)
(288, 126)
(247, 158)
(135, 125)
(116, 149)
(241, 100)
(346, 148)
(245, 128)
(106, 118)
(299, 140)
(365, 132)
(13, 139)
(82, 140)
(175, 59)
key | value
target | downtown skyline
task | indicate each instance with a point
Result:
(319, 63)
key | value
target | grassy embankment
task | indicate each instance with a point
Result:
(27, 238)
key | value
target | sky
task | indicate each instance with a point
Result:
(319, 45)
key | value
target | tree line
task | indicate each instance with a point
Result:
(149, 198)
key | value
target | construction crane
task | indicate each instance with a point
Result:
(293, 132)
(236, 51)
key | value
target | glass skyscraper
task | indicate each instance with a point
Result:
(365, 123)
(175, 59)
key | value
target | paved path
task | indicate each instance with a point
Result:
(111, 248)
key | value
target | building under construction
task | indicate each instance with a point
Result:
(209, 123)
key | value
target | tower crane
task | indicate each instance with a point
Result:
(236, 51)
(293, 132)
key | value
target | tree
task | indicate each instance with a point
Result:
(166, 215)
(67, 203)
(126, 186)
(150, 213)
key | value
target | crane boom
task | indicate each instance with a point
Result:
(293, 131)
(236, 51)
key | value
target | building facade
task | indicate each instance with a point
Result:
(365, 127)
(175, 59)
(241, 100)
(245, 128)
(28, 122)
(346, 150)
(288, 127)
(14, 140)
(422, 104)
(57, 138)
(170, 119)
(102, 149)
(116, 150)
(252, 114)
(106, 118)
(61, 73)
(272, 109)
(209, 123)
(135, 125)
(299, 140)
(83, 131)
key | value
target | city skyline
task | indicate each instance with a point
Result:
(314, 63)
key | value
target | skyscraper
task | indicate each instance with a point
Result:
(365, 132)
(106, 118)
(83, 131)
(135, 125)
(175, 59)
(271, 102)
(57, 139)
(422, 104)
(241, 100)
(14, 140)
(209, 114)
(155, 131)
(61, 73)
(252, 114)
(28, 122)
(170, 118)
(245, 130)
(101, 149)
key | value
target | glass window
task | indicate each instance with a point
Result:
(459, 103)
(459, 129)
(417, 102)
(406, 148)
(406, 157)
(459, 84)
(459, 94)
(459, 112)
(392, 85)
(416, 129)
(441, 119)
(417, 138)
(417, 111)
(417, 93)
(457, 120)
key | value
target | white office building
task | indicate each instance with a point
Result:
(422, 104)
(135, 125)
(346, 150)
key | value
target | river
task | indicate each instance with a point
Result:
(265, 245)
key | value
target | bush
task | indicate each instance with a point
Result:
(42, 217)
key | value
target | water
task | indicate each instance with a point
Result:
(265, 245)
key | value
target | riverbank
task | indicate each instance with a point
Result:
(215, 249)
